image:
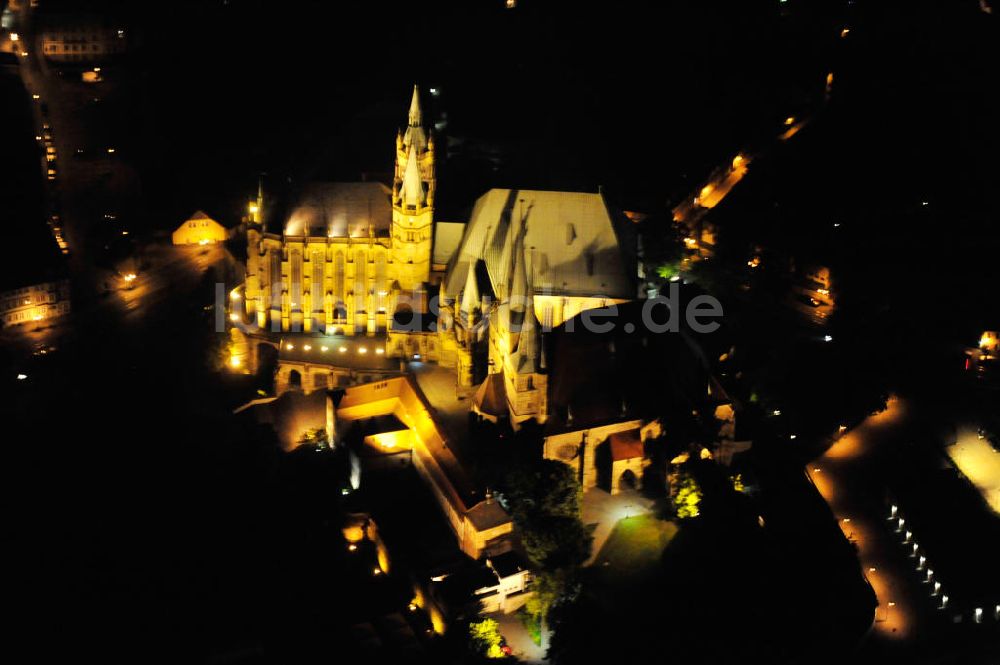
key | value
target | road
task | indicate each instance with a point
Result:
(96, 197)
(852, 477)
(845, 477)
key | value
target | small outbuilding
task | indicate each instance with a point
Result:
(199, 229)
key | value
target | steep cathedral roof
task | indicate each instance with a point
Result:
(573, 239)
(340, 209)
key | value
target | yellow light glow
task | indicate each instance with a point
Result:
(353, 534)
(789, 121)
(289, 346)
(324, 349)
(379, 351)
(14, 37)
(234, 317)
(680, 459)
(979, 463)
(343, 349)
(234, 295)
(235, 361)
(362, 350)
(844, 32)
(705, 453)
(307, 347)
(253, 208)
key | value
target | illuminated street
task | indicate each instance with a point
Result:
(843, 477)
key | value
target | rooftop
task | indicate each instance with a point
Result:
(336, 210)
(574, 244)
(626, 445)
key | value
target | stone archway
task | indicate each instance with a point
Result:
(294, 380)
(628, 480)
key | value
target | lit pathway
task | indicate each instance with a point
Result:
(847, 477)
(518, 640)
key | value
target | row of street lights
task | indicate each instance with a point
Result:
(923, 565)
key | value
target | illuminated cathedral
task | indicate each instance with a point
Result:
(352, 264)
(346, 251)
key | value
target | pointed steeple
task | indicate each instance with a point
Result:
(416, 115)
(415, 136)
(528, 342)
(522, 307)
(519, 283)
(412, 191)
(470, 296)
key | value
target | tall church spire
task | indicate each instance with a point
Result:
(519, 283)
(416, 115)
(528, 342)
(470, 296)
(415, 136)
(413, 188)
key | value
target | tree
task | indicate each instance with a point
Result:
(550, 588)
(544, 498)
(314, 437)
(687, 495)
(485, 638)
(543, 487)
(662, 247)
(555, 541)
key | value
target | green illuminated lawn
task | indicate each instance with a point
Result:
(636, 544)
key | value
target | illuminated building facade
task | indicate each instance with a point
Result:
(35, 302)
(199, 229)
(80, 39)
(346, 251)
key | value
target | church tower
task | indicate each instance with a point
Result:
(413, 200)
